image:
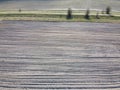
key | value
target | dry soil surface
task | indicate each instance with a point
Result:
(59, 56)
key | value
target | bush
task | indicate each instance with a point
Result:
(108, 10)
(69, 14)
(19, 10)
(87, 16)
(97, 15)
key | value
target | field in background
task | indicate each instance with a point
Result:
(57, 15)
(58, 4)
(56, 10)
(63, 12)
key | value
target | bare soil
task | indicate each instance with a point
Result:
(59, 55)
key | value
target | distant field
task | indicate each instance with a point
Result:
(58, 4)
(56, 10)
(75, 12)
(57, 15)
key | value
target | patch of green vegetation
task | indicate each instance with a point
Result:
(58, 15)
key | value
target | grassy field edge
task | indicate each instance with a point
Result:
(58, 16)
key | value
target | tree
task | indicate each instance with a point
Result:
(69, 14)
(102, 12)
(87, 16)
(19, 10)
(97, 15)
(108, 10)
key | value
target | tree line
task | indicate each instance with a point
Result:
(87, 13)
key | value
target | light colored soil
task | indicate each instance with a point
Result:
(59, 4)
(59, 55)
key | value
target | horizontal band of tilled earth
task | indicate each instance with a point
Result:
(59, 55)
(59, 4)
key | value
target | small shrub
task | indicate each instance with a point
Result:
(69, 14)
(102, 12)
(108, 10)
(19, 10)
(97, 15)
(87, 16)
